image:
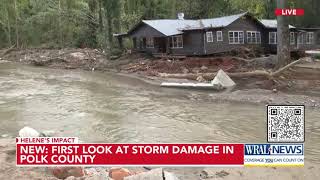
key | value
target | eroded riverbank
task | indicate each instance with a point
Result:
(304, 88)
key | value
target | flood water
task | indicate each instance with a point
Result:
(104, 107)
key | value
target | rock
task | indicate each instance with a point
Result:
(28, 132)
(203, 68)
(265, 62)
(185, 70)
(78, 55)
(118, 173)
(222, 173)
(64, 172)
(5, 135)
(223, 80)
(307, 59)
(170, 176)
(48, 133)
(195, 70)
(96, 174)
(201, 79)
(274, 90)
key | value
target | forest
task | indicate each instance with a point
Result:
(92, 23)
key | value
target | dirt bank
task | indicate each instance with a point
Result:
(298, 85)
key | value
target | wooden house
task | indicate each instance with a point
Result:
(216, 35)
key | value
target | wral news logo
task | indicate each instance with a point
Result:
(274, 155)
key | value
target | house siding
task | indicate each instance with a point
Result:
(243, 24)
(295, 47)
(141, 33)
(192, 44)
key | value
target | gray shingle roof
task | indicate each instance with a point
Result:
(171, 27)
(272, 23)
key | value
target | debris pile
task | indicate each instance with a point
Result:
(64, 58)
(189, 65)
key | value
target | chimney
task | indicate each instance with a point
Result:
(181, 16)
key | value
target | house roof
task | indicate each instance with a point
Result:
(272, 23)
(171, 27)
(221, 21)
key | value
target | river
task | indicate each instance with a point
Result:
(105, 107)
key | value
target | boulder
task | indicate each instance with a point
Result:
(204, 68)
(28, 132)
(265, 62)
(223, 80)
(201, 79)
(118, 173)
(65, 172)
(185, 70)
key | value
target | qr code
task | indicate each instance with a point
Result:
(286, 124)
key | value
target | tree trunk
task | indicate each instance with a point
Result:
(16, 23)
(110, 29)
(59, 25)
(9, 28)
(100, 16)
(283, 48)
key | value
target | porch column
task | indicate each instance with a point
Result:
(168, 45)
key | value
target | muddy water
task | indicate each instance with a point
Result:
(101, 107)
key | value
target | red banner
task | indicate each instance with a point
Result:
(130, 154)
(289, 12)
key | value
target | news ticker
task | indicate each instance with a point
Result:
(52, 151)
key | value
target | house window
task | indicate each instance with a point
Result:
(310, 38)
(150, 43)
(236, 37)
(219, 36)
(253, 37)
(292, 38)
(177, 42)
(300, 38)
(272, 37)
(209, 36)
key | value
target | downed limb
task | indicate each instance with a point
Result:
(209, 76)
(281, 70)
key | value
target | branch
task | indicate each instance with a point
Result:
(278, 72)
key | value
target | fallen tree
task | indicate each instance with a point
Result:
(210, 76)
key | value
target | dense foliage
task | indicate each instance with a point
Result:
(91, 23)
